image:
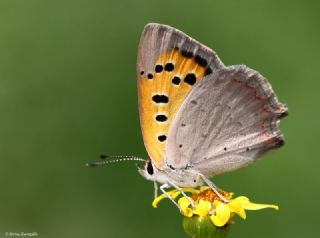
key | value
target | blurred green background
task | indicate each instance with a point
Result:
(68, 93)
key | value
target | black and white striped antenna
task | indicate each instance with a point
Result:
(109, 159)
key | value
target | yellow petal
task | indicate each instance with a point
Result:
(173, 193)
(202, 208)
(184, 205)
(240, 204)
(237, 206)
(222, 214)
(255, 206)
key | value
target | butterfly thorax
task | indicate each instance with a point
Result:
(179, 177)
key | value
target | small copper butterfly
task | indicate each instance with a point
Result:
(199, 118)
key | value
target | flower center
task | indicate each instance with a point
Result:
(210, 196)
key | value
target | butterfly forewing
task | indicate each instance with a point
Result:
(169, 65)
(226, 122)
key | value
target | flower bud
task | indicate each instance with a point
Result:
(202, 227)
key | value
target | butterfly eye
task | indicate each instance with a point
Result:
(149, 167)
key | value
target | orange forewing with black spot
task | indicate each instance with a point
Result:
(161, 94)
(169, 65)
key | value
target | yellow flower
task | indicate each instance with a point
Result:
(208, 204)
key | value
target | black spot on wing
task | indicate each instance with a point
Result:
(162, 138)
(150, 76)
(201, 61)
(187, 54)
(190, 79)
(176, 80)
(160, 98)
(158, 68)
(169, 67)
(208, 71)
(161, 118)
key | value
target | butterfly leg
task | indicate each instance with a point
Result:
(162, 187)
(213, 187)
(155, 189)
(183, 194)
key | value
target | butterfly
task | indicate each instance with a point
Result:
(200, 118)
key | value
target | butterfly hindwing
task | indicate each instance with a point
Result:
(226, 122)
(170, 64)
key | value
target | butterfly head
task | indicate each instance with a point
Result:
(179, 177)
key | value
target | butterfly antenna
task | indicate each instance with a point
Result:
(108, 159)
